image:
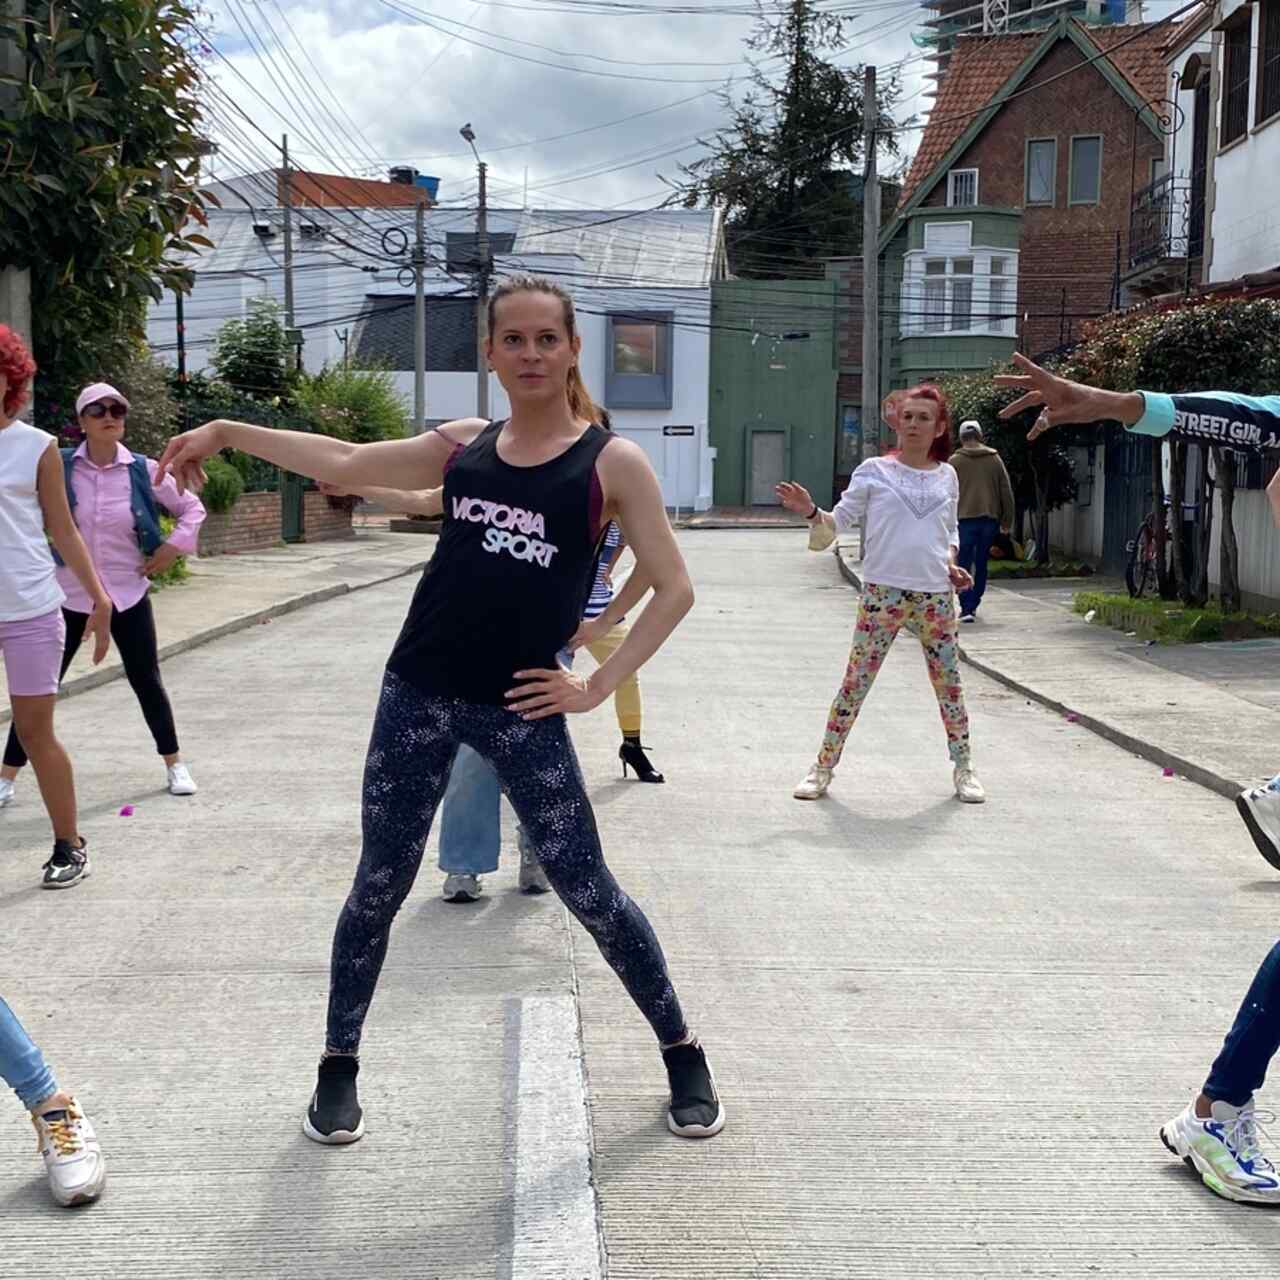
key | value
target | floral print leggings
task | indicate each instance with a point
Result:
(884, 611)
(415, 738)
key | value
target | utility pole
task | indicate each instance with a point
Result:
(180, 312)
(294, 337)
(15, 283)
(482, 298)
(870, 273)
(420, 316)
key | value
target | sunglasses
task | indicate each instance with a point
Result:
(102, 410)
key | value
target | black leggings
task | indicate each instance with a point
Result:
(134, 631)
(415, 738)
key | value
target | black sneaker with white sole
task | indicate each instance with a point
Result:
(696, 1110)
(334, 1116)
(68, 865)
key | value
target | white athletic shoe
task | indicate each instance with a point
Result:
(7, 788)
(72, 1157)
(462, 888)
(815, 784)
(1226, 1151)
(1260, 809)
(968, 788)
(532, 877)
(181, 783)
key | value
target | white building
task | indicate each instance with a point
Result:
(641, 283)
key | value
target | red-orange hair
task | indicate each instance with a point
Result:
(18, 368)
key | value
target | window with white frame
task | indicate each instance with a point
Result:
(973, 291)
(962, 188)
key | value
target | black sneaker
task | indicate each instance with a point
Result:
(69, 865)
(696, 1110)
(334, 1116)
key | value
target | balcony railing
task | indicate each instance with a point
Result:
(1167, 221)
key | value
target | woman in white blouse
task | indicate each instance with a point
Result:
(908, 503)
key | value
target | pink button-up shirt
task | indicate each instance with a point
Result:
(105, 519)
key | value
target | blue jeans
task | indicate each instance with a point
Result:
(977, 533)
(471, 814)
(1241, 1067)
(22, 1065)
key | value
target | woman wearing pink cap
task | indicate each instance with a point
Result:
(116, 505)
(33, 501)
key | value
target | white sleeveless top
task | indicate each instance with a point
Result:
(28, 581)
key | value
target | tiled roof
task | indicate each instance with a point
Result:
(981, 65)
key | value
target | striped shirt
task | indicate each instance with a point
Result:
(601, 590)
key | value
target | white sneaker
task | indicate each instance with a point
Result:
(968, 788)
(532, 877)
(968, 617)
(462, 888)
(1260, 809)
(815, 784)
(72, 1158)
(181, 783)
(1226, 1151)
(7, 788)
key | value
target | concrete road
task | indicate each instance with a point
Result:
(946, 1036)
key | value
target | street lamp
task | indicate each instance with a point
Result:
(482, 276)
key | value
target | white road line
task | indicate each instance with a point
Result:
(557, 1226)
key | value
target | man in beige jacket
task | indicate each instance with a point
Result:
(986, 508)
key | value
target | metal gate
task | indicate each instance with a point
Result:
(1128, 496)
(292, 521)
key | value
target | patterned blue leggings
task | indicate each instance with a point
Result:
(415, 738)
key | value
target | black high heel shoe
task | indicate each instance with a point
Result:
(632, 754)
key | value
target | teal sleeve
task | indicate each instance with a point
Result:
(1250, 424)
(1157, 415)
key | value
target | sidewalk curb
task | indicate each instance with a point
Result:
(1230, 788)
(95, 679)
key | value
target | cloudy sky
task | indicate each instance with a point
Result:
(360, 84)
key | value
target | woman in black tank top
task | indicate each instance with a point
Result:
(526, 503)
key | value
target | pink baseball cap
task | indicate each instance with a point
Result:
(98, 391)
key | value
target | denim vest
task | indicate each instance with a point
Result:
(142, 502)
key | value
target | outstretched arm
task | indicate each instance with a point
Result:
(632, 496)
(418, 502)
(416, 463)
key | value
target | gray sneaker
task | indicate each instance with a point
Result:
(462, 888)
(532, 877)
(7, 789)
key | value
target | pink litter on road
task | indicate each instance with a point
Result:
(1168, 773)
(1072, 717)
(127, 811)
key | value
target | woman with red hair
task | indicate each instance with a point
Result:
(907, 502)
(33, 503)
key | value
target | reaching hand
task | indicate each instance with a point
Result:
(795, 497)
(589, 632)
(551, 693)
(1063, 401)
(99, 627)
(961, 579)
(161, 559)
(183, 455)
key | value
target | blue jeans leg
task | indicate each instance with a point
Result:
(22, 1065)
(1241, 1067)
(976, 536)
(471, 817)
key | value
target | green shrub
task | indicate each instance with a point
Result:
(360, 405)
(178, 572)
(1172, 623)
(223, 487)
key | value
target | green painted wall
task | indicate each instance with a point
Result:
(773, 385)
(993, 227)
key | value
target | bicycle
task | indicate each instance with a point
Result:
(1141, 572)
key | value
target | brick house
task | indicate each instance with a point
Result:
(1013, 222)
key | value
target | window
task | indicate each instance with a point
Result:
(638, 354)
(962, 188)
(998, 296)
(1235, 102)
(1086, 170)
(1042, 171)
(1269, 61)
(962, 294)
(1159, 167)
(935, 295)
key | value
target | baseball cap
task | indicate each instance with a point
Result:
(969, 429)
(98, 391)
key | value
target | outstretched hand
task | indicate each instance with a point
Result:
(183, 455)
(795, 497)
(1061, 401)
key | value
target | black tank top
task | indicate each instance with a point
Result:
(511, 573)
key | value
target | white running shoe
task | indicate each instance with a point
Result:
(968, 788)
(462, 888)
(72, 1157)
(532, 877)
(7, 788)
(1260, 809)
(181, 783)
(1226, 1151)
(815, 784)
